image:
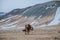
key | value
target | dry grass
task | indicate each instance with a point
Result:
(53, 33)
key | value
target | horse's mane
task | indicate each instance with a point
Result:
(29, 25)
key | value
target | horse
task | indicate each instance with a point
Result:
(28, 28)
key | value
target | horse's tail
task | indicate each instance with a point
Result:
(23, 30)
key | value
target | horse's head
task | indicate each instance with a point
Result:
(28, 27)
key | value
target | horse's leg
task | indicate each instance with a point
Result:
(32, 28)
(25, 32)
(28, 32)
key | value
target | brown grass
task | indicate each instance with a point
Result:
(53, 33)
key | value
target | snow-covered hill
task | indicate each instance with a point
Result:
(36, 15)
(57, 17)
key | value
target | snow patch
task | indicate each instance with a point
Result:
(39, 16)
(4, 28)
(47, 8)
(51, 6)
(57, 17)
(34, 22)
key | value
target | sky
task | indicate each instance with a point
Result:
(8, 5)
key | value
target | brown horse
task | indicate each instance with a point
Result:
(28, 28)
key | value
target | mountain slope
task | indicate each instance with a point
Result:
(17, 11)
(35, 15)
